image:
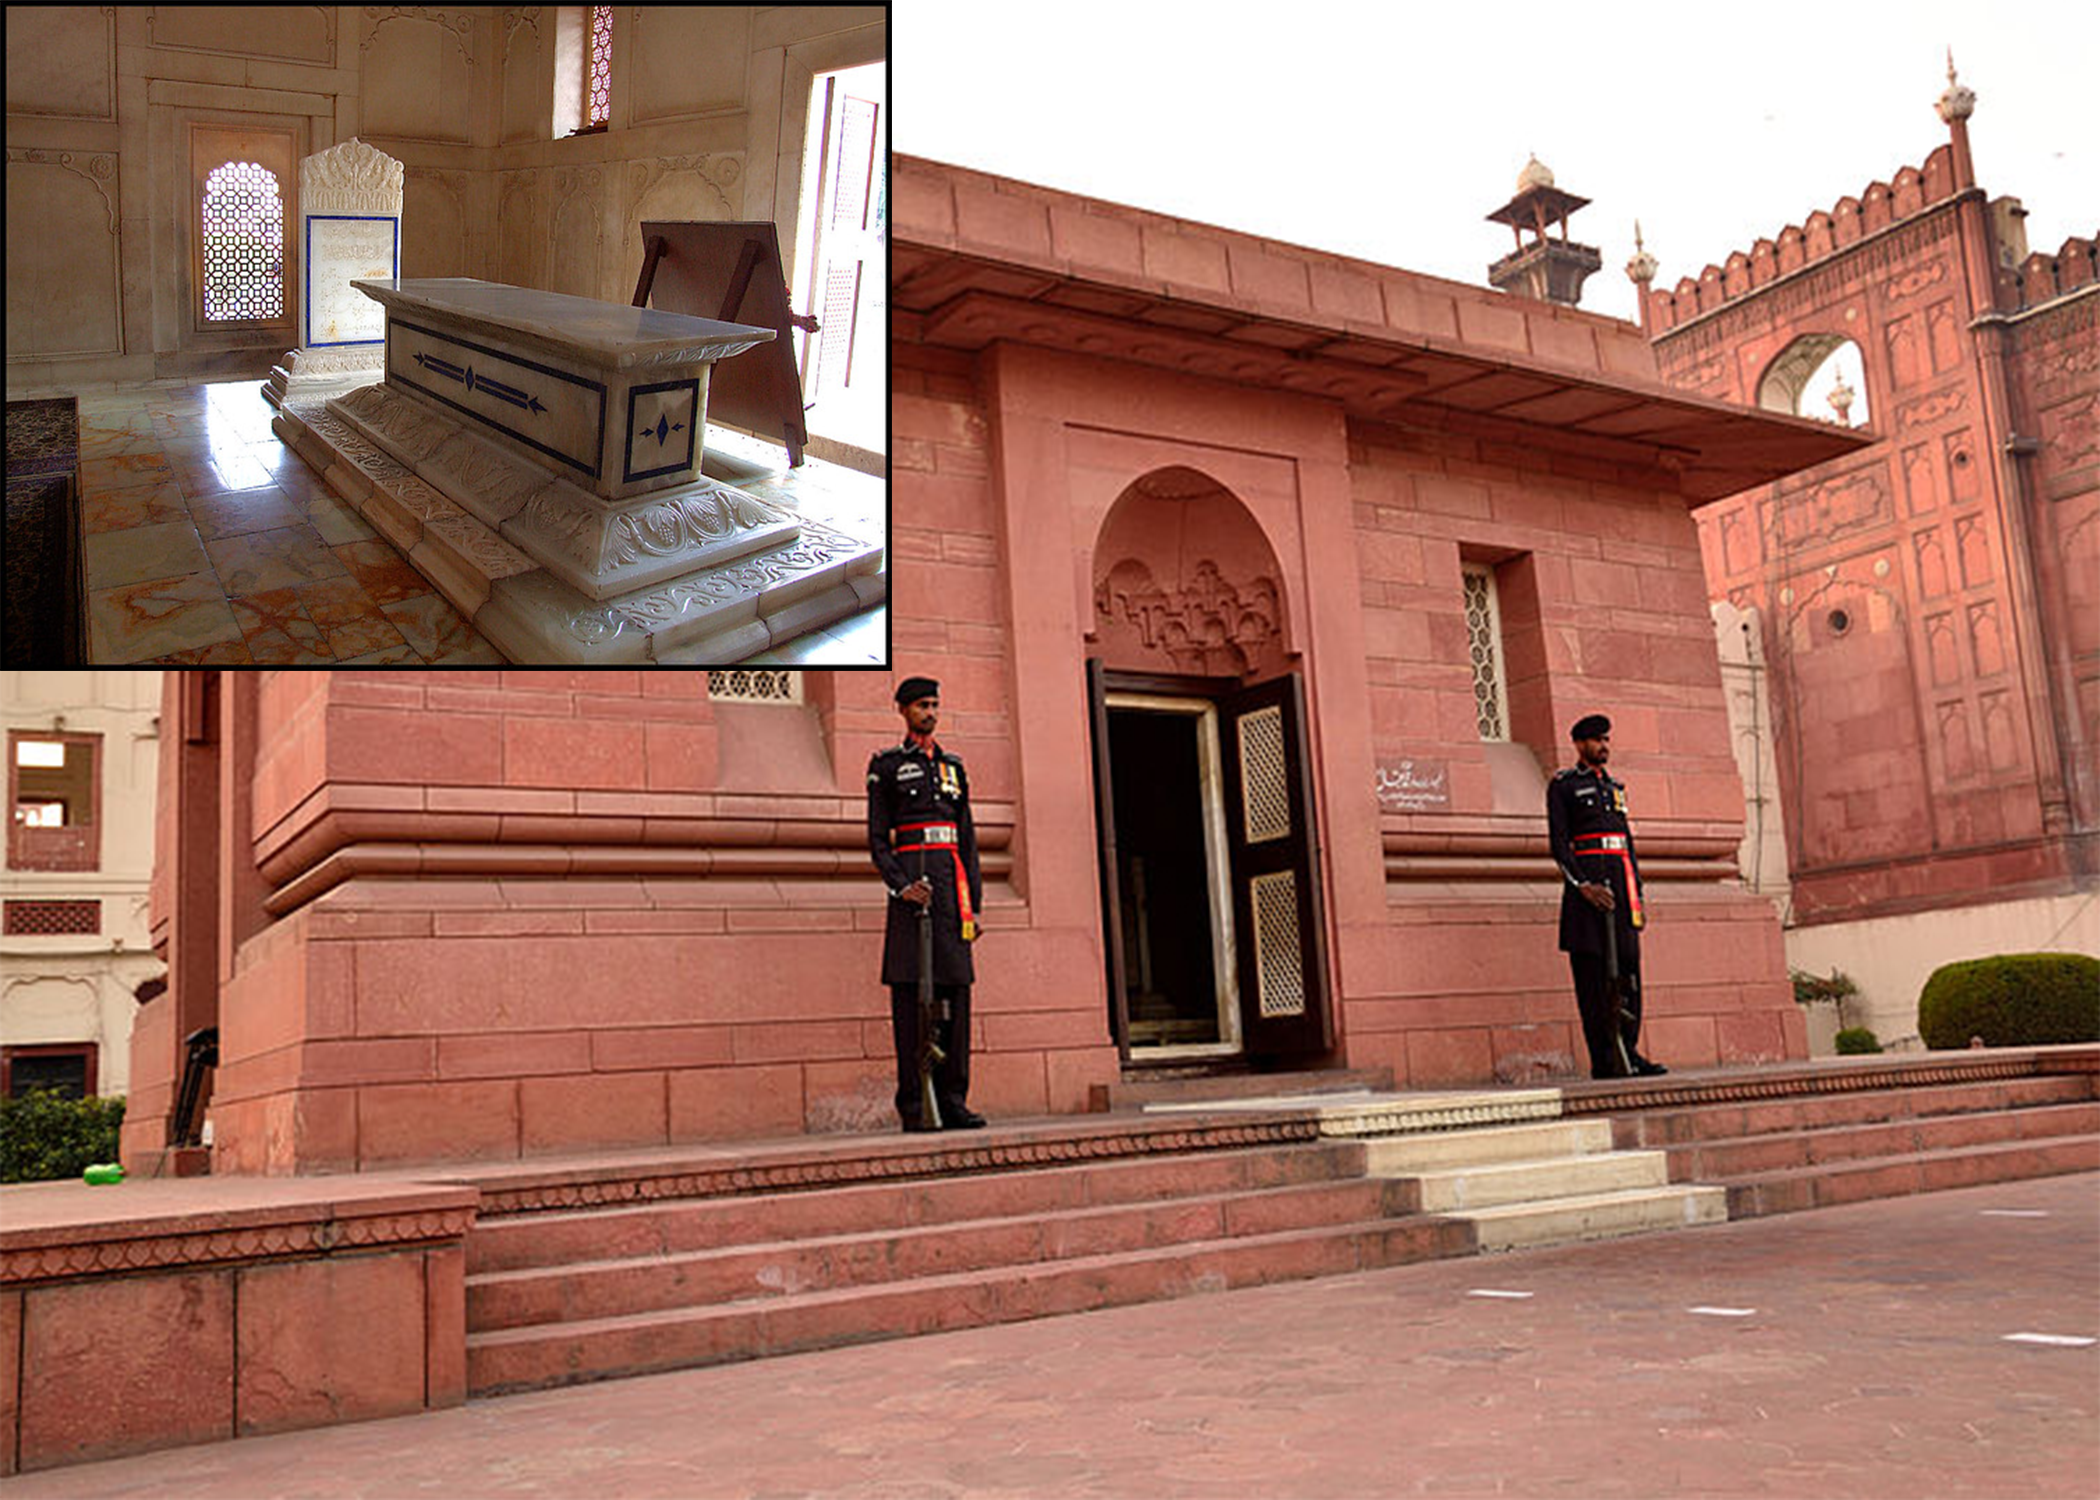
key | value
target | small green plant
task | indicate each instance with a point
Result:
(44, 1134)
(1856, 1039)
(1810, 987)
(2012, 1000)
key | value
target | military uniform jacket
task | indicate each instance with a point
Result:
(1581, 805)
(907, 788)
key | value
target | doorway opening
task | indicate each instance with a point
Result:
(841, 276)
(1210, 871)
(1180, 985)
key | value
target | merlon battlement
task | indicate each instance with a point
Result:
(1910, 192)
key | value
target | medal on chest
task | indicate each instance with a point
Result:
(950, 780)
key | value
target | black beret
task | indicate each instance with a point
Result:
(1590, 727)
(912, 689)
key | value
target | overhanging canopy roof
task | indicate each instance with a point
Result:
(952, 292)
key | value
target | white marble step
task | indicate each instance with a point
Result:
(1412, 1155)
(1462, 1189)
(1598, 1216)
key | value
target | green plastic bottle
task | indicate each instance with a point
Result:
(103, 1173)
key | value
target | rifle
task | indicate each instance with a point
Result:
(930, 1053)
(1619, 1010)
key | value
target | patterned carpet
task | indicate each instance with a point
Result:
(46, 617)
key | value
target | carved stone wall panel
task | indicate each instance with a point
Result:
(1942, 650)
(684, 60)
(1212, 626)
(288, 33)
(64, 293)
(1946, 336)
(1932, 564)
(1921, 479)
(1927, 410)
(1964, 478)
(519, 241)
(1840, 505)
(1986, 639)
(1972, 544)
(2001, 731)
(416, 73)
(1740, 550)
(524, 107)
(577, 244)
(1956, 747)
(1906, 353)
(434, 224)
(62, 61)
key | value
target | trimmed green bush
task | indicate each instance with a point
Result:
(45, 1135)
(2013, 1000)
(1857, 1039)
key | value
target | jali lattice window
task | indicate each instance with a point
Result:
(52, 918)
(755, 687)
(598, 107)
(243, 244)
(1484, 651)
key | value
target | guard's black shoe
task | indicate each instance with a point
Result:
(1643, 1068)
(962, 1119)
(920, 1125)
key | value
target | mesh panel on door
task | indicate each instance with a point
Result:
(1265, 791)
(1278, 956)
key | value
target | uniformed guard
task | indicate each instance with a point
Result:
(1601, 883)
(923, 842)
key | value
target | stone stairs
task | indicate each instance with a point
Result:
(584, 1294)
(598, 1267)
(1544, 1183)
(1780, 1155)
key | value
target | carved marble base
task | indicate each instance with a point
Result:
(713, 614)
(323, 372)
(601, 547)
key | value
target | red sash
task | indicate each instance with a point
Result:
(935, 837)
(1607, 845)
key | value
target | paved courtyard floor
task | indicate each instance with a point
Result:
(1862, 1351)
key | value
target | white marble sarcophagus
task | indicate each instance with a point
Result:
(538, 456)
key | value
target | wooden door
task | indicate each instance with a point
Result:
(1275, 855)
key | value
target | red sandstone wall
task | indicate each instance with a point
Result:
(526, 917)
(1917, 755)
(1603, 607)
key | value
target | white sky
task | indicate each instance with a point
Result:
(1388, 131)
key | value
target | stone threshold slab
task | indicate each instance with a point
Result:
(715, 615)
(1368, 1114)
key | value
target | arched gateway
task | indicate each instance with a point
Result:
(1213, 927)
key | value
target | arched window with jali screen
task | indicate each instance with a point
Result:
(1819, 375)
(243, 244)
(242, 257)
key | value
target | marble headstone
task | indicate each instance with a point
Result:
(349, 229)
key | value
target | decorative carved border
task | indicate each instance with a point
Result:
(266, 1241)
(1405, 1118)
(890, 1165)
(1647, 1096)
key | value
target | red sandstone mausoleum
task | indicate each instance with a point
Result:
(1262, 585)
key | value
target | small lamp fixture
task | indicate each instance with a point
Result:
(1959, 101)
(1641, 269)
(1841, 401)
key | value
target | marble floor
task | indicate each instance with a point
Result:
(209, 542)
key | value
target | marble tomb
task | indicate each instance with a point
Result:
(538, 457)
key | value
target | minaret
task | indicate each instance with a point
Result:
(1548, 268)
(1955, 106)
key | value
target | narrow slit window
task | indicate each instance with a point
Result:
(1484, 652)
(597, 104)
